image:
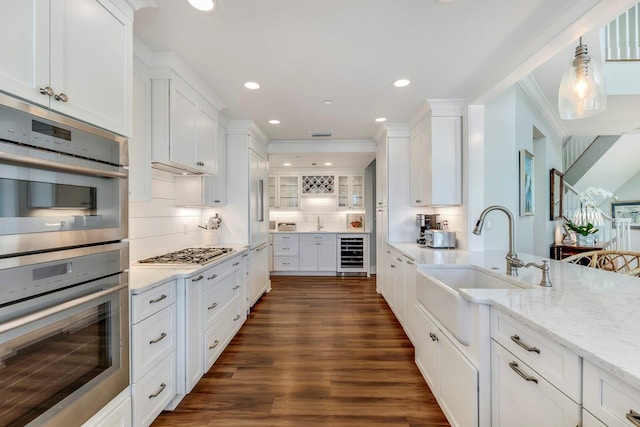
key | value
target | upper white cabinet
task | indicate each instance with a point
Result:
(350, 191)
(184, 129)
(73, 56)
(381, 172)
(435, 148)
(284, 191)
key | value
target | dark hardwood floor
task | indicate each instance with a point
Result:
(316, 351)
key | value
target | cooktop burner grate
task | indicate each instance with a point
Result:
(188, 256)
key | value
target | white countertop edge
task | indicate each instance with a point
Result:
(144, 277)
(320, 232)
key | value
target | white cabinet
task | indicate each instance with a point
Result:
(140, 143)
(318, 252)
(453, 379)
(153, 351)
(350, 191)
(409, 269)
(259, 273)
(116, 413)
(534, 381)
(435, 165)
(184, 129)
(612, 401)
(73, 56)
(381, 242)
(258, 212)
(214, 311)
(286, 252)
(381, 173)
(522, 397)
(284, 191)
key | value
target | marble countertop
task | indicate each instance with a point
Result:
(143, 277)
(592, 312)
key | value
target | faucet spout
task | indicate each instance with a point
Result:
(512, 258)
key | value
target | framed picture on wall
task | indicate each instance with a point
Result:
(556, 191)
(629, 210)
(527, 190)
(355, 222)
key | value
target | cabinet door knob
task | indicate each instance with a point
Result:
(200, 163)
(62, 97)
(47, 90)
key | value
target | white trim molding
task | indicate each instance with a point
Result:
(531, 88)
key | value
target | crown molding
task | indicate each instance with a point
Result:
(531, 88)
(327, 146)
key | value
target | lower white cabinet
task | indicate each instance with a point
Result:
(612, 401)
(318, 252)
(409, 269)
(453, 379)
(522, 397)
(210, 296)
(589, 420)
(153, 351)
(116, 413)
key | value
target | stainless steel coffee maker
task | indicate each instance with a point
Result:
(425, 222)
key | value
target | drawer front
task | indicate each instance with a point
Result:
(215, 274)
(285, 238)
(154, 391)
(221, 332)
(609, 398)
(286, 249)
(219, 296)
(589, 420)
(145, 304)
(152, 340)
(523, 398)
(556, 363)
(286, 263)
(320, 237)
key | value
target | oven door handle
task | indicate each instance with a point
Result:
(57, 166)
(34, 317)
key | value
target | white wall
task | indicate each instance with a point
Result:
(630, 191)
(510, 119)
(158, 226)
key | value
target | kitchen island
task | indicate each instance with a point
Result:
(591, 313)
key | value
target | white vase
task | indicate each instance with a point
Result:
(587, 240)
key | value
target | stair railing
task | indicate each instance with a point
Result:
(623, 36)
(615, 232)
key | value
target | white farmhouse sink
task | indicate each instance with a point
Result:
(437, 289)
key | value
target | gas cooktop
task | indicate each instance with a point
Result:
(190, 256)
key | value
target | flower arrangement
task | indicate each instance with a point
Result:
(583, 230)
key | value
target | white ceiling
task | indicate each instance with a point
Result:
(350, 51)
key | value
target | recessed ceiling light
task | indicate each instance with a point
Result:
(274, 122)
(328, 164)
(286, 164)
(327, 102)
(203, 5)
(381, 119)
(252, 85)
(401, 83)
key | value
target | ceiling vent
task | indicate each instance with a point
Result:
(320, 134)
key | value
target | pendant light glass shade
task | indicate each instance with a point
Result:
(583, 90)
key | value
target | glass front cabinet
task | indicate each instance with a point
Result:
(284, 192)
(350, 191)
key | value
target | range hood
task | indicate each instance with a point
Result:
(175, 168)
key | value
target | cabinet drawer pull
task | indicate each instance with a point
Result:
(200, 163)
(213, 276)
(388, 252)
(634, 417)
(399, 259)
(235, 264)
(214, 345)
(516, 339)
(160, 298)
(433, 336)
(236, 287)
(196, 279)
(236, 318)
(514, 366)
(160, 338)
(245, 255)
(212, 306)
(418, 201)
(162, 387)
(410, 262)
(393, 266)
(285, 249)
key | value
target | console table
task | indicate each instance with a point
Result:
(564, 250)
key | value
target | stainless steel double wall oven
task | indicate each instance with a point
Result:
(64, 312)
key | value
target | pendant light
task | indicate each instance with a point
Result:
(583, 90)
